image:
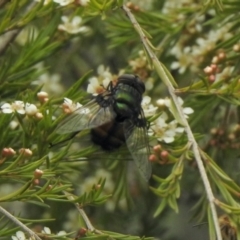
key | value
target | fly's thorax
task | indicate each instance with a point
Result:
(127, 100)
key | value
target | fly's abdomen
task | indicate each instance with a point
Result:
(109, 136)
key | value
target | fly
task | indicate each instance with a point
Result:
(116, 117)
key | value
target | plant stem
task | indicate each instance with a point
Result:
(20, 224)
(81, 211)
(162, 74)
(84, 216)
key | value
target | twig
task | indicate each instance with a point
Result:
(20, 224)
(84, 216)
(82, 213)
(9, 38)
(12, 34)
(161, 72)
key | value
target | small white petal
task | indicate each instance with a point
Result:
(68, 101)
(148, 109)
(180, 101)
(167, 102)
(46, 230)
(78, 105)
(106, 82)
(31, 109)
(170, 132)
(168, 139)
(6, 105)
(63, 2)
(160, 123)
(94, 81)
(175, 65)
(93, 85)
(146, 100)
(179, 130)
(100, 69)
(76, 20)
(19, 103)
(61, 233)
(19, 236)
(13, 124)
(21, 111)
(182, 70)
(188, 110)
(161, 102)
(7, 108)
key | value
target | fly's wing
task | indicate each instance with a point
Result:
(88, 116)
(137, 143)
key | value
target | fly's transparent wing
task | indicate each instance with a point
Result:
(138, 145)
(88, 116)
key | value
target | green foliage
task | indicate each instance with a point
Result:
(192, 48)
(113, 235)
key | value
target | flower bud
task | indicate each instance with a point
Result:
(30, 109)
(42, 96)
(38, 173)
(8, 152)
(26, 152)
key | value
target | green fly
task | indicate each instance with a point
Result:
(116, 117)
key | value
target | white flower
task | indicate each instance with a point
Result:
(98, 84)
(148, 108)
(184, 59)
(51, 83)
(73, 25)
(19, 236)
(20, 107)
(104, 75)
(63, 2)
(139, 62)
(69, 106)
(17, 106)
(168, 104)
(47, 230)
(165, 131)
(30, 109)
(94, 86)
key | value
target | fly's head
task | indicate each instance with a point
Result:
(133, 81)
